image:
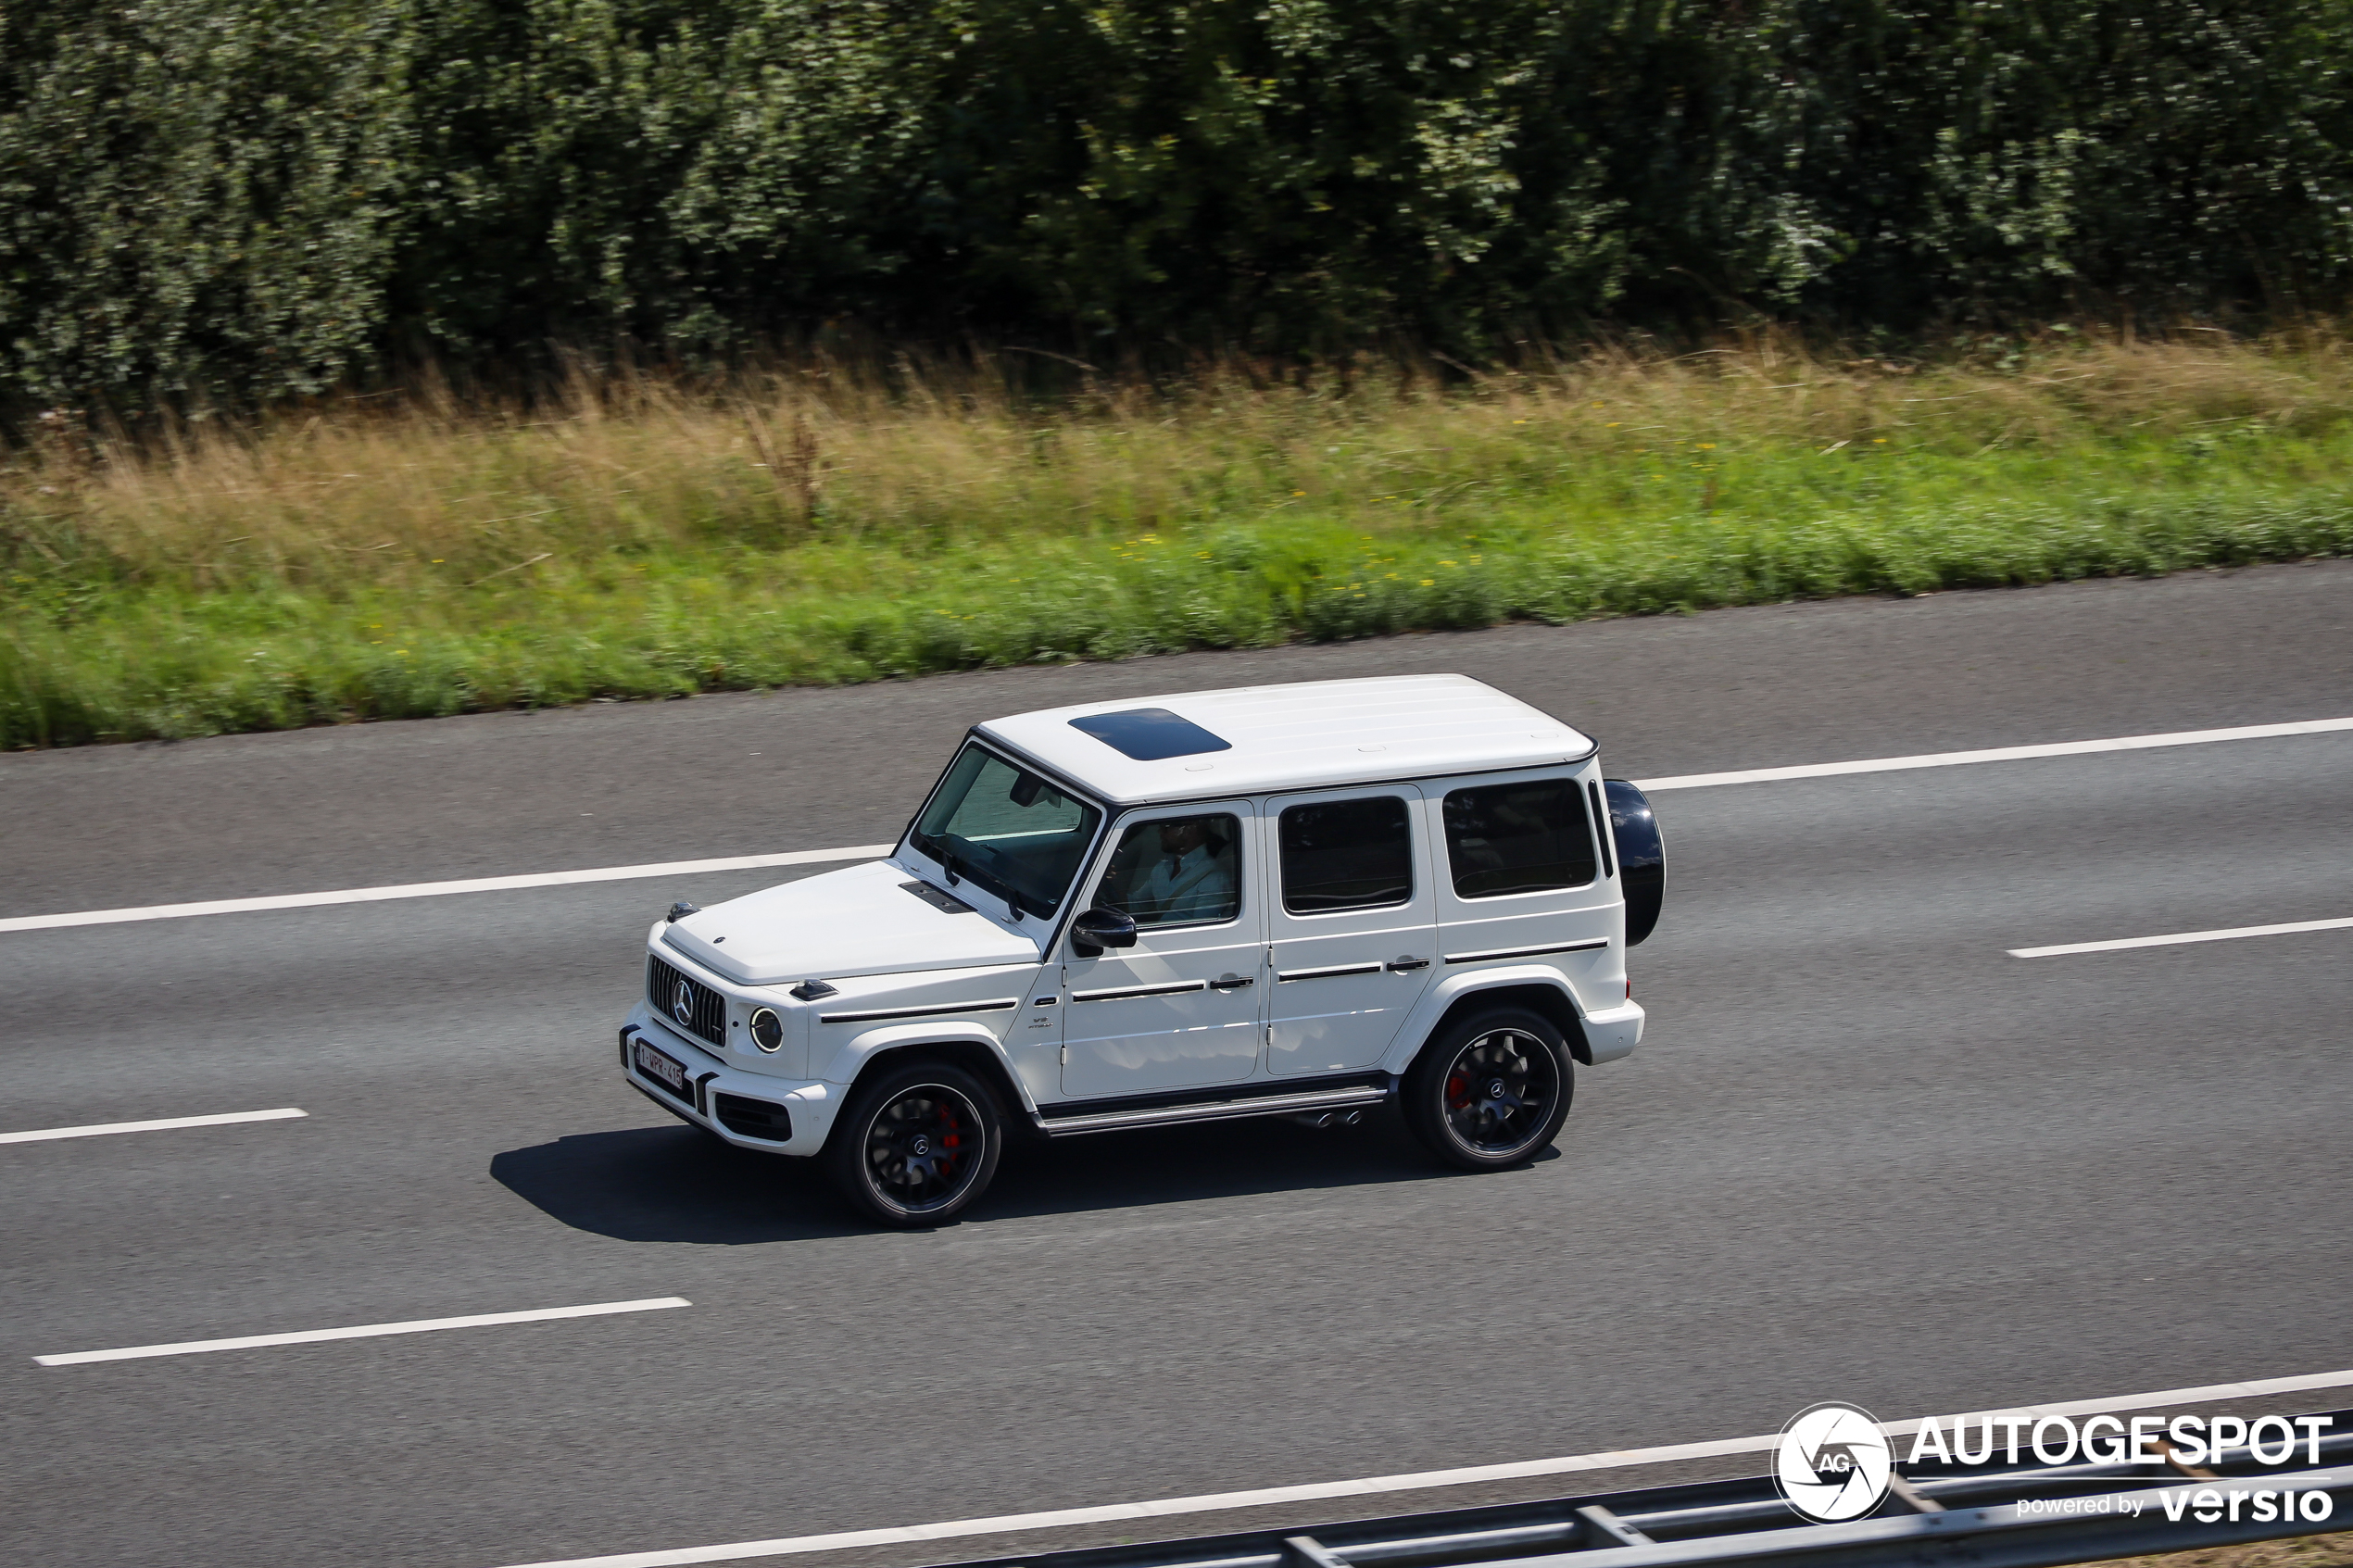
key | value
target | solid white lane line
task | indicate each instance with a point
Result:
(101, 1129)
(875, 851)
(901, 1535)
(363, 1331)
(2179, 937)
(1998, 754)
(439, 889)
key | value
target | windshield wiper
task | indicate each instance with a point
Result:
(954, 862)
(997, 886)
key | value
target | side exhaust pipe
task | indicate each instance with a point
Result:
(1330, 1118)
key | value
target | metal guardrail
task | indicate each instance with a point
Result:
(1946, 1516)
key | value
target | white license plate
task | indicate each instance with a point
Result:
(653, 1064)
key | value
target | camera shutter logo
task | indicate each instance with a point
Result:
(1832, 1462)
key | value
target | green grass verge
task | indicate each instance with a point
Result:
(648, 539)
(81, 663)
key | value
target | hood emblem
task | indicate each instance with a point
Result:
(682, 1005)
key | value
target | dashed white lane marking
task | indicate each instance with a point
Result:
(439, 889)
(363, 1331)
(2179, 937)
(1212, 1502)
(1999, 754)
(100, 1129)
(875, 851)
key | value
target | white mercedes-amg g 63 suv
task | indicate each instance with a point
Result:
(1296, 900)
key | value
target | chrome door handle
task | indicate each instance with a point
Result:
(1231, 982)
(1400, 965)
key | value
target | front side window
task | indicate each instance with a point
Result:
(1529, 837)
(1007, 829)
(1346, 855)
(1176, 871)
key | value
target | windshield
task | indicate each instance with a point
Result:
(1007, 830)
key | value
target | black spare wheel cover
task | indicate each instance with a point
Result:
(1642, 857)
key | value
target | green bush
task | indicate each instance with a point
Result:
(252, 198)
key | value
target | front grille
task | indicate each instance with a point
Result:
(706, 1010)
(754, 1118)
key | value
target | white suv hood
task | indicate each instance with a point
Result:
(860, 920)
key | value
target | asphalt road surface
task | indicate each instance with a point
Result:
(1863, 1153)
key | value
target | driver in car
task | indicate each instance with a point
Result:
(1189, 882)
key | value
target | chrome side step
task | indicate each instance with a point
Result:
(1213, 1110)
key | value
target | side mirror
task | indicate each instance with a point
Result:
(1642, 857)
(1100, 928)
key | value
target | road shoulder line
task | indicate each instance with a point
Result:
(1213, 1502)
(1998, 754)
(875, 851)
(442, 889)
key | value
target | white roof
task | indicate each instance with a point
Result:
(1311, 735)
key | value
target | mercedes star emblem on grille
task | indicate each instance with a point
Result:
(682, 1004)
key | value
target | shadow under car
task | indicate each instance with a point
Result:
(677, 1183)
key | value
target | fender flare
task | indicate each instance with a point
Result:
(856, 1053)
(1439, 998)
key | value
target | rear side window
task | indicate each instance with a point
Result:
(1346, 855)
(1518, 838)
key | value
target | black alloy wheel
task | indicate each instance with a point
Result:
(1491, 1091)
(917, 1146)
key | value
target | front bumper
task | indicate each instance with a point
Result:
(743, 1108)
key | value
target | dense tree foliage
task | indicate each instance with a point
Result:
(264, 197)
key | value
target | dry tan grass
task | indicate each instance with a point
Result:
(388, 495)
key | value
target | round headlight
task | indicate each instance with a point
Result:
(767, 1029)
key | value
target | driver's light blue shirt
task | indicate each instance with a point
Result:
(1188, 887)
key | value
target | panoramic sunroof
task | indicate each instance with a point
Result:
(1148, 734)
